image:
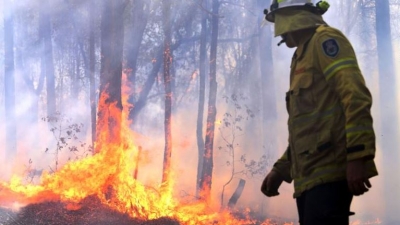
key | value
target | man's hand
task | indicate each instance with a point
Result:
(356, 177)
(271, 184)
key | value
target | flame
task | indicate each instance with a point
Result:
(108, 175)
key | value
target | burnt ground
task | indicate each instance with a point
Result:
(92, 212)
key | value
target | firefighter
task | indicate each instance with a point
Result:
(331, 149)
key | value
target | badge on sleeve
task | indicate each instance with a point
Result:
(330, 47)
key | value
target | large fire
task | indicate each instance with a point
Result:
(108, 175)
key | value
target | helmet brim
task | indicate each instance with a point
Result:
(271, 15)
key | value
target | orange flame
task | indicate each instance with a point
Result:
(108, 175)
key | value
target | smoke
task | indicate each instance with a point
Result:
(37, 144)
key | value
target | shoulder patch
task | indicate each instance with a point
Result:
(330, 47)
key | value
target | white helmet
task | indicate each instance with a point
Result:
(320, 8)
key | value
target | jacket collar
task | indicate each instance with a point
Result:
(303, 43)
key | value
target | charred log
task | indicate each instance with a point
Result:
(236, 195)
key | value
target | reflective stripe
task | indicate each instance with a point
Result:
(349, 135)
(352, 130)
(317, 115)
(334, 67)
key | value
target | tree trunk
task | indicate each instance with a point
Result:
(92, 59)
(236, 195)
(206, 175)
(168, 93)
(140, 11)
(112, 39)
(9, 82)
(75, 76)
(141, 101)
(388, 108)
(269, 142)
(267, 71)
(47, 59)
(30, 118)
(367, 39)
(202, 90)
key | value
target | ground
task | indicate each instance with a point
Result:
(55, 213)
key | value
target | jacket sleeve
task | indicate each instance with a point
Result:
(283, 166)
(336, 58)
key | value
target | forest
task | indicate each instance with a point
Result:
(169, 112)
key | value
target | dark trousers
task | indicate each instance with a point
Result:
(326, 204)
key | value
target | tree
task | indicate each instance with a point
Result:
(112, 39)
(269, 109)
(202, 90)
(47, 65)
(27, 56)
(157, 59)
(9, 81)
(168, 92)
(266, 69)
(140, 13)
(387, 91)
(92, 62)
(366, 28)
(206, 175)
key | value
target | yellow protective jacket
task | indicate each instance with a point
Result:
(329, 106)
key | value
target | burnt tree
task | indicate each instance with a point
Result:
(208, 164)
(202, 92)
(92, 74)
(112, 39)
(167, 59)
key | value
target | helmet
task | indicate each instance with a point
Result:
(320, 8)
